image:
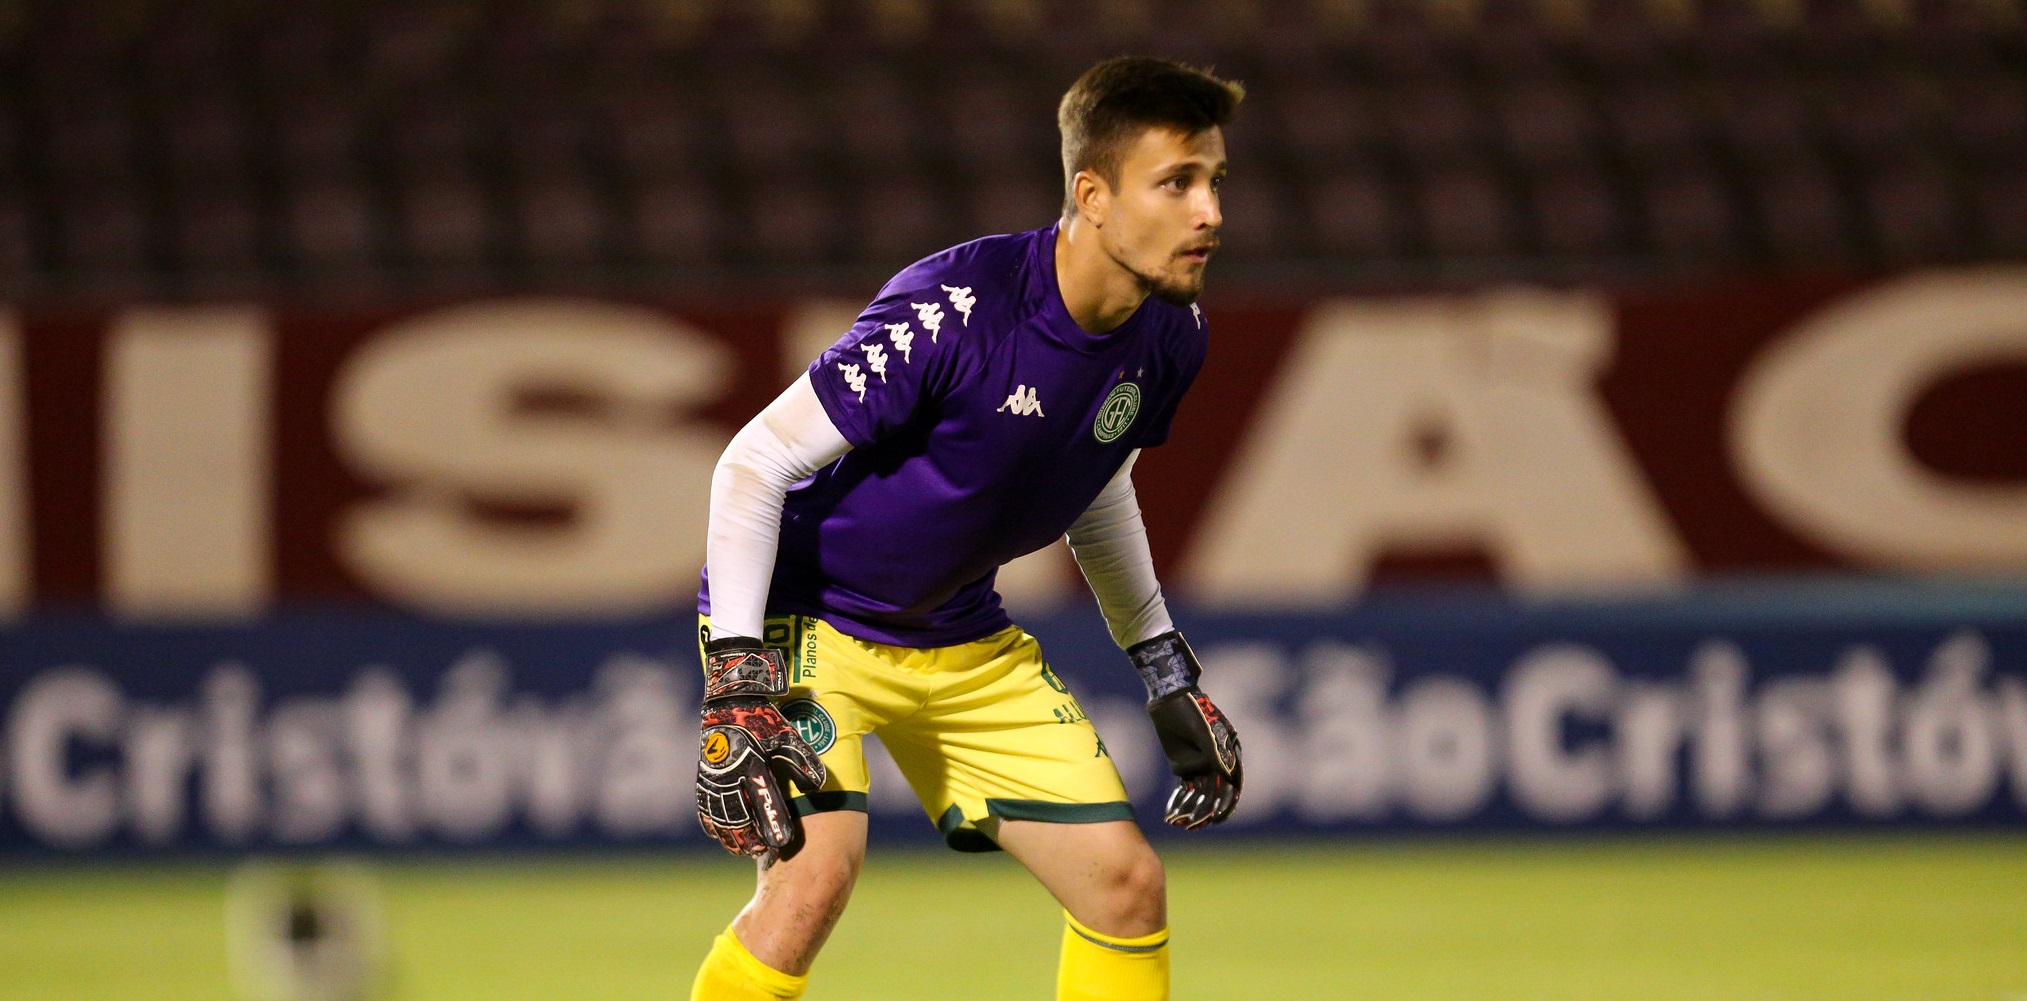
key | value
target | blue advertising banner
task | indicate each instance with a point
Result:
(1793, 706)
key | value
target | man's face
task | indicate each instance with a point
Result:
(1161, 222)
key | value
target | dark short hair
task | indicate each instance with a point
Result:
(1107, 109)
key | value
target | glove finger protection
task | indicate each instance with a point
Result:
(749, 754)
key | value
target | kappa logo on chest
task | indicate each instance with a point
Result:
(1024, 402)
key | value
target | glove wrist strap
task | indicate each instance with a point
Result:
(733, 668)
(1165, 663)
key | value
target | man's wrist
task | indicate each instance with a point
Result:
(740, 666)
(1165, 663)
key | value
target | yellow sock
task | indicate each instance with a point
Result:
(730, 973)
(1100, 967)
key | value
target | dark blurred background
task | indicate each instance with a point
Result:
(207, 148)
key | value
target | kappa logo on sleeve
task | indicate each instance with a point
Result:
(931, 316)
(876, 358)
(854, 378)
(961, 300)
(903, 338)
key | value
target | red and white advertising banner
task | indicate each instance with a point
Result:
(550, 457)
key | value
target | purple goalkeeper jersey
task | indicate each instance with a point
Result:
(983, 422)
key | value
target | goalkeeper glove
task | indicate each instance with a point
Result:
(749, 753)
(1202, 747)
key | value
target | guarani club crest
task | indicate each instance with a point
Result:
(1116, 414)
(811, 722)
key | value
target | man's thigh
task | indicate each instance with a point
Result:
(1001, 737)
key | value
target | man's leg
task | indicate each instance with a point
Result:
(1115, 903)
(766, 953)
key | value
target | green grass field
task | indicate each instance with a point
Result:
(1850, 919)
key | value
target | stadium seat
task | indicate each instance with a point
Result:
(562, 222)
(206, 134)
(672, 221)
(1350, 214)
(1914, 211)
(899, 218)
(103, 229)
(1576, 214)
(1543, 121)
(1801, 212)
(1689, 215)
(215, 228)
(1465, 214)
(330, 226)
(445, 222)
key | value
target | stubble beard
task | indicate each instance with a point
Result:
(1176, 289)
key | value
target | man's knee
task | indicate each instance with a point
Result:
(798, 902)
(1135, 895)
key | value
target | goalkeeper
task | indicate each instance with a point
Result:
(992, 399)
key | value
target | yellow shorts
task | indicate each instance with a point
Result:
(983, 731)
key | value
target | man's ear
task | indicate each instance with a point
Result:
(1092, 195)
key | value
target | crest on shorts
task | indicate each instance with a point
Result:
(1116, 414)
(811, 722)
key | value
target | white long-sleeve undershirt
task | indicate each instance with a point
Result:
(781, 446)
(793, 438)
(1109, 541)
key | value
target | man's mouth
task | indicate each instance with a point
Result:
(1200, 254)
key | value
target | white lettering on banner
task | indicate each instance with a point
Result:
(1719, 742)
(1798, 773)
(1332, 736)
(1648, 727)
(311, 801)
(87, 762)
(1547, 687)
(1817, 425)
(1448, 749)
(1574, 740)
(1952, 751)
(14, 525)
(429, 407)
(1426, 425)
(64, 805)
(188, 463)
(160, 747)
(1344, 711)
(462, 753)
(1861, 694)
(378, 713)
(230, 794)
(2012, 713)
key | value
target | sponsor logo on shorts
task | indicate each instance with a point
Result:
(1116, 414)
(811, 722)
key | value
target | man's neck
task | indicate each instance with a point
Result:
(1099, 293)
